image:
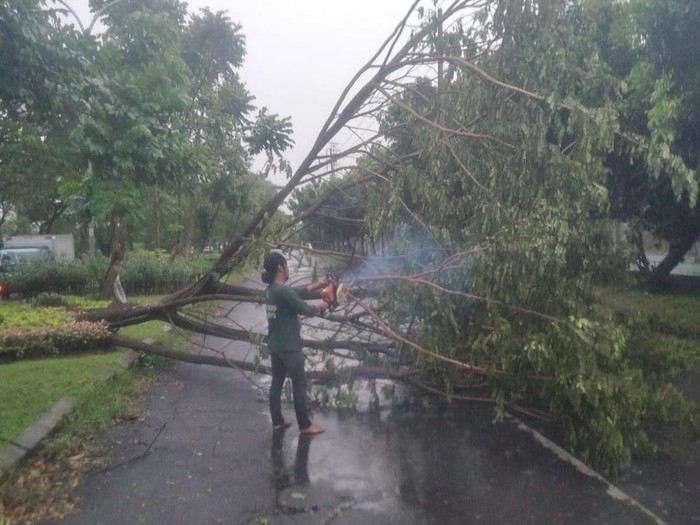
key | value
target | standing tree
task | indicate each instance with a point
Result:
(651, 47)
(165, 110)
(40, 61)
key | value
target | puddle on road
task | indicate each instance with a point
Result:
(434, 463)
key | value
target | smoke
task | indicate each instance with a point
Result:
(407, 253)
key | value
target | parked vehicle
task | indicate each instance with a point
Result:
(10, 258)
(60, 245)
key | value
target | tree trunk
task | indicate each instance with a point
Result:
(678, 248)
(156, 211)
(177, 245)
(190, 226)
(206, 235)
(116, 257)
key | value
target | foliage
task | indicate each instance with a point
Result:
(143, 118)
(48, 300)
(649, 46)
(20, 315)
(338, 223)
(48, 275)
(508, 213)
(143, 272)
(65, 339)
(40, 61)
(149, 273)
(270, 134)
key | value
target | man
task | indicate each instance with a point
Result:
(284, 306)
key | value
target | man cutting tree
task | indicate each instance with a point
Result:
(284, 306)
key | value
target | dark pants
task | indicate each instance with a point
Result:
(289, 364)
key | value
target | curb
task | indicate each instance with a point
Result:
(23, 445)
(32, 436)
(612, 490)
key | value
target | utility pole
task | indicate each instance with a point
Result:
(332, 151)
(91, 239)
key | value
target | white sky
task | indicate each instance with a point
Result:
(302, 53)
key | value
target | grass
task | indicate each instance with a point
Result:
(40, 488)
(673, 313)
(30, 388)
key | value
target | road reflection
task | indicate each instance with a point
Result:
(284, 477)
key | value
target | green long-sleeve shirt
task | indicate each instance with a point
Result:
(284, 305)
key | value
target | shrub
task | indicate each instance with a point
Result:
(48, 299)
(142, 273)
(47, 275)
(51, 341)
(153, 272)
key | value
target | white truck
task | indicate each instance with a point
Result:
(61, 245)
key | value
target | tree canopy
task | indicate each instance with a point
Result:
(648, 47)
(152, 110)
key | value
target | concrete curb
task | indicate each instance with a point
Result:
(23, 445)
(613, 491)
(32, 436)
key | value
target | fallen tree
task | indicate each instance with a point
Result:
(484, 178)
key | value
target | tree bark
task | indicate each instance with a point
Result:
(116, 257)
(679, 247)
(156, 212)
(190, 224)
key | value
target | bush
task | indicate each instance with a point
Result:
(51, 341)
(153, 272)
(142, 273)
(49, 276)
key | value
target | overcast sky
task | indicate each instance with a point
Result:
(302, 53)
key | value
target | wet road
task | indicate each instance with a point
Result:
(205, 453)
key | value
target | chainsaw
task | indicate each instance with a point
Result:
(335, 292)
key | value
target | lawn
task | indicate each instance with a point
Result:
(675, 313)
(30, 388)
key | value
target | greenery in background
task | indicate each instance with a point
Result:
(151, 273)
(142, 273)
(672, 312)
(147, 129)
(338, 224)
(650, 48)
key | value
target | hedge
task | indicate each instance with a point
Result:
(51, 341)
(142, 273)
